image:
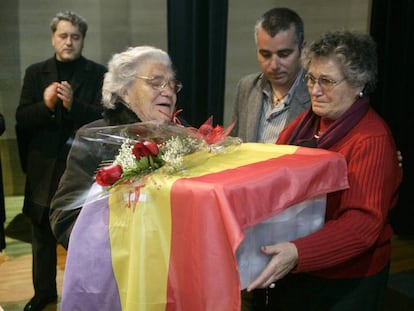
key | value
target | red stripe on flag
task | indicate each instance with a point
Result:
(209, 213)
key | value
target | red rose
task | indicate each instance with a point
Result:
(214, 135)
(211, 134)
(108, 175)
(205, 129)
(152, 147)
(145, 149)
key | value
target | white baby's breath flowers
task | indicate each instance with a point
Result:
(126, 158)
(176, 148)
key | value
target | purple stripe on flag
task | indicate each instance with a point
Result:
(89, 282)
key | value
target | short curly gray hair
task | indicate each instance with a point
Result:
(123, 69)
(356, 52)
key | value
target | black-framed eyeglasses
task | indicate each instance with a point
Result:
(159, 83)
(326, 84)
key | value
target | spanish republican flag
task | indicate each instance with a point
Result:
(170, 243)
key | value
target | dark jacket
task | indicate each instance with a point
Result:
(83, 160)
(44, 137)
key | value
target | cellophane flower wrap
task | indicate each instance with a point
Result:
(150, 146)
(109, 156)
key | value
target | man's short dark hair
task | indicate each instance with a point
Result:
(281, 19)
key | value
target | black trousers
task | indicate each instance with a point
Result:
(44, 259)
(309, 293)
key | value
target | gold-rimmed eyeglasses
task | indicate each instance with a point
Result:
(159, 83)
(326, 84)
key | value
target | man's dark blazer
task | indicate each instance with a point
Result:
(248, 104)
(44, 136)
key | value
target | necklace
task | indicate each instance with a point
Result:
(323, 126)
(318, 134)
(277, 100)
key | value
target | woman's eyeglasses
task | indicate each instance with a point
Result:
(325, 83)
(160, 83)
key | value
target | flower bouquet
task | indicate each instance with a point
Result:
(150, 146)
(102, 158)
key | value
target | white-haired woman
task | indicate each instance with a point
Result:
(139, 86)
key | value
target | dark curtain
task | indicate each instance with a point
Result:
(197, 35)
(392, 27)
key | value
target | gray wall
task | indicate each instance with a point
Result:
(115, 25)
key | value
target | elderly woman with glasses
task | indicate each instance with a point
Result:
(140, 86)
(344, 265)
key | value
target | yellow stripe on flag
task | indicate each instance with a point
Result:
(247, 153)
(140, 235)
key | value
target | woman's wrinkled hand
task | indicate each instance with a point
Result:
(284, 259)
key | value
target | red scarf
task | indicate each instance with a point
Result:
(304, 133)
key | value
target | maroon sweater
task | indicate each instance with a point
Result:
(355, 240)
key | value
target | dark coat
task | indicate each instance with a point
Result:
(83, 160)
(45, 137)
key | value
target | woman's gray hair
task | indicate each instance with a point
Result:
(123, 69)
(356, 52)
